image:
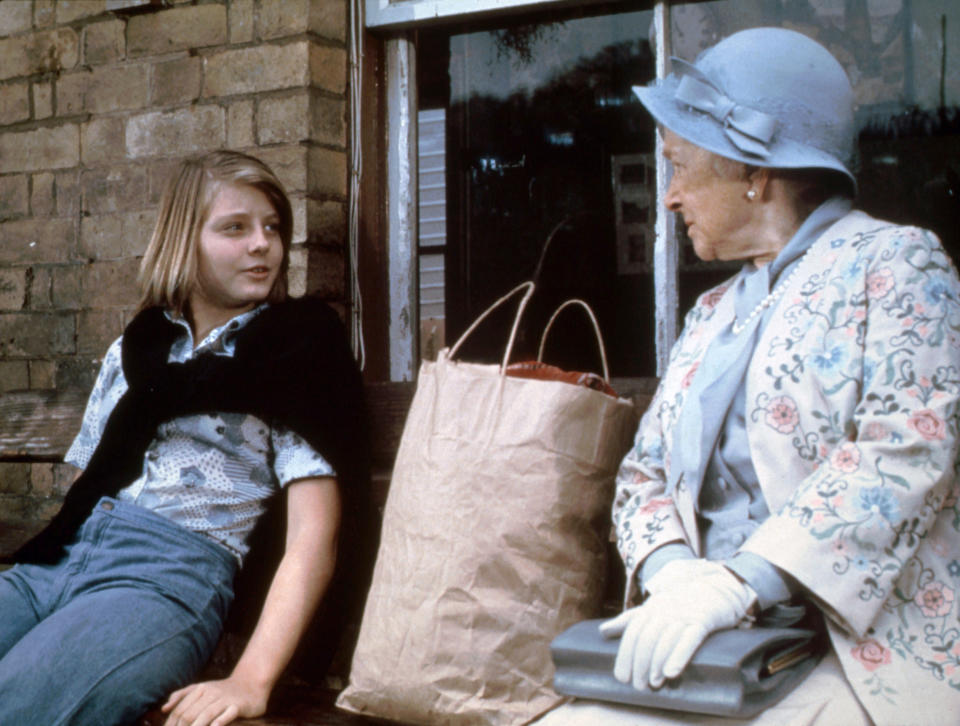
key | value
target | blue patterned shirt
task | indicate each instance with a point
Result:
(209, 472)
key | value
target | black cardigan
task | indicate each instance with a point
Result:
(292, 365)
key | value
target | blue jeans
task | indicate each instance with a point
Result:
(132, 612)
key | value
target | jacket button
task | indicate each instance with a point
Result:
(107, 505)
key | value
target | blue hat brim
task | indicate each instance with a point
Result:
(704, 131)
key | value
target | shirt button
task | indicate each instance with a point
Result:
(108, 506)
(723, 483)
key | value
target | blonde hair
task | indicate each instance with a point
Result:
(168, 271)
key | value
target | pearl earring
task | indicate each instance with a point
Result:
(752, 194)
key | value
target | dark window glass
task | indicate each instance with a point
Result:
(544, 140)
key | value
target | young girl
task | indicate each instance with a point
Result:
(220, 394)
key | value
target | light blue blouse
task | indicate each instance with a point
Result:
(210, 472)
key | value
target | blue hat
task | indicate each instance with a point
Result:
(765, 96)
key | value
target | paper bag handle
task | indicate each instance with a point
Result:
(596, 330)
(529, 287)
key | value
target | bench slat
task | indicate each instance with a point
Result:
(39, 426)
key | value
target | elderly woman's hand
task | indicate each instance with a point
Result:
(659, 638)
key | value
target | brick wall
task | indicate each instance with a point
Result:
(97, 103)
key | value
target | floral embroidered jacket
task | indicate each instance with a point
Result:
(852, 419)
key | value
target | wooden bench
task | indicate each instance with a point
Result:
(38, 426)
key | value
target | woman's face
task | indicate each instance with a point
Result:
(710, 193)
(240, 253)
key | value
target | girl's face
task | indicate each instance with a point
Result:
(240, 254)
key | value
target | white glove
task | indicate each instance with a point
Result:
(678, 571)
(659, 638)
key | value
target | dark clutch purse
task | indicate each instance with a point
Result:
(736, 673)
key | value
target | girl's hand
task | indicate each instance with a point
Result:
(214, 703)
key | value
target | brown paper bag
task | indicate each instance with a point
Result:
(493, 542)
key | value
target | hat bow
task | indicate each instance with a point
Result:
(748, 129)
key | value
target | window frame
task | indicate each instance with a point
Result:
(400, 19)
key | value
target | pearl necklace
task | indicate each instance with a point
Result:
(771, 299)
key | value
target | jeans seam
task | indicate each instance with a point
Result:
(29, 597)
(71, 710)
(89, 544)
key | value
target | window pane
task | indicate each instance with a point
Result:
(903, 59)
(543, 135)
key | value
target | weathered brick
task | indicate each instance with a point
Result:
(13, 288)
(256, 69)
(115, 236)
(43, 203)
(282, 18)
(44, 13)
(66, 287)
(43, 374)
(41, 288)
(41, 479)
(27, 241)
(63, 477)
(14, 102)
(57, 147)
(328, 19)
(175, 81)
(113, 282)
(34, 335)
(326, 223)
(298, 206)
(14, 478)
(103, 42)
(14, 375)
(116, 88)
(14, 196)
(101, 140)
(96, 329)
(240, 125)
(101, 237)
(70, 10)
(45, 509)
(283, 120)
(289, 163)
(328, 68)
(327, 173)
(241, 21)
(42, 100)
(176, 29)
(183, 131)
(161, 170)
(114, 189)
(77, 373)
(51, 480)
(328, 121)
(72, 92)
(297, 272)
(68, 193)
(44, 52)
(15, 17)
(326, 273)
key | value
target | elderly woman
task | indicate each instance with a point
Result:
(802, 445)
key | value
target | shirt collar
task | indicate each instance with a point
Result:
(220, 340)
(809, 232)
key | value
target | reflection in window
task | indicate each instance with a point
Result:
(542, 136)
(432, 239)
(540, 121)
(902, 58)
